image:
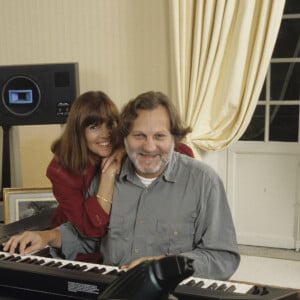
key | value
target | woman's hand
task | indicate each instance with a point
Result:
(116, 157)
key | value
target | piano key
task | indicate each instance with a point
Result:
(222, 287)
(213, 286)
(24, 259)
(68, 266)
(49, 263)
(80, 268)
(191, 282)
(57, 264)
(230, 289)
(199, 284)
(96, 270)
(113, 272)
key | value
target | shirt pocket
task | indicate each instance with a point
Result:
(176, 237)
(118, 229)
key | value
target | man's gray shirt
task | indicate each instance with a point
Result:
(184, 211)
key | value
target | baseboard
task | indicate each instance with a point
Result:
(280, 253)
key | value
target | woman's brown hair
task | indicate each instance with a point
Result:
(93, 107)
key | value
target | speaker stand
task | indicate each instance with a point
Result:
(6, 179)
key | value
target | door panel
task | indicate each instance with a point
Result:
(263, 191)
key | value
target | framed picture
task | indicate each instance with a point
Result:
(20, 203)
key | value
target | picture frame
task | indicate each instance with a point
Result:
(20, 203)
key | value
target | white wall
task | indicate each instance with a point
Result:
(121, 47)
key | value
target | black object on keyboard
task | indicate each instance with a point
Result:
(152, 280)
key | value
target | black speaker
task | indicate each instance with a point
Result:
(37, 94)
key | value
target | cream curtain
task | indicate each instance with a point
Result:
(220, 52)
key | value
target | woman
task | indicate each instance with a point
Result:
(89, 140)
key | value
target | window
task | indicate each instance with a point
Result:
(276, 117)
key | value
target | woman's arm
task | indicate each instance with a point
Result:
(110, 167)
(106, 186)
(71, 191)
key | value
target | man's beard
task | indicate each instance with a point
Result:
(151, 170)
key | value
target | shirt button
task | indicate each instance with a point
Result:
(136, 250)
(175, 233)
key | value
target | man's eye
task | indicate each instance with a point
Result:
(160, 136)
(138, 136)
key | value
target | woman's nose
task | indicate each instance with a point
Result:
(103, 131)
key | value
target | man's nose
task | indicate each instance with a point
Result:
(149, 144)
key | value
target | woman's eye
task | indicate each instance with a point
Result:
(110, 124)
(92, 127)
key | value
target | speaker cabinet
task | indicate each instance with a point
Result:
(37, 94)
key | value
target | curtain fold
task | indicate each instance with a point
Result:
(220, 53)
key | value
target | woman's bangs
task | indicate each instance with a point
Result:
(93, 119)
(98, 117)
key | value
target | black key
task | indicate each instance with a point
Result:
(212, 286)
(39, 262)
(96, 270)
(191, 282)
(57, 264)
(80, 268)
(16, 258)
(102, 270)
(199, 284)
(121, 272)
(49, 264)
(222, 287)
(256, 290)
(32, 261)
(68, 266)
(231, 289)
(264, 291)
(25, 260)
(112, 272)
(9, 258)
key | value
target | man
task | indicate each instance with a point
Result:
(164, 203)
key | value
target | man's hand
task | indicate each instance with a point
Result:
(136, 262)
(31, 241)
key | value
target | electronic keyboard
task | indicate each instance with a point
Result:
(40, 221)
(50, 278)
